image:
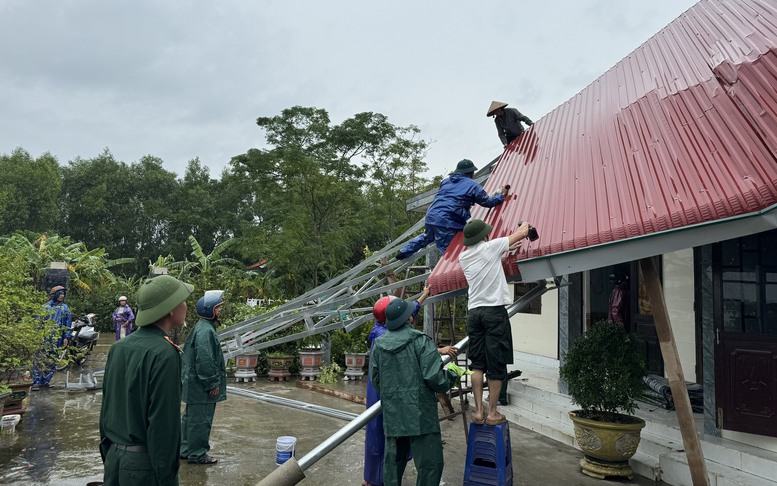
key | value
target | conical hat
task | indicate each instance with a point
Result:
(495, 105)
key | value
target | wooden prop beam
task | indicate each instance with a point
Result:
(674, 371)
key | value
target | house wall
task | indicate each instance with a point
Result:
(537, 334)
(678, 282)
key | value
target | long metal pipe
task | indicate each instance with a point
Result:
(339, 437)
(291, 472)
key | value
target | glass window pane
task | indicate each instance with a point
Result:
(731, 254)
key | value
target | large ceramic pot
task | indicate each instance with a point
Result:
(3, 397)
(246, 367)
(607, 446)
(279, 367)
(354, 365)
(310, 360)
(15, 403)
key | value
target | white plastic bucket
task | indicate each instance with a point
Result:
(284, 449)
(8, 423)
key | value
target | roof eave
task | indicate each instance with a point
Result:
(653, 244)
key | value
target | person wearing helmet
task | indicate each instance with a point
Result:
(204, 380)
(123, 319)
(449, 211)
(374, 442)
(508, 121)
(58, 313)
(408, 363)
(140, 416)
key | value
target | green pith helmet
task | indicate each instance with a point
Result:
(475, 231)
(397, 313)
(159, 296)
(465, 166)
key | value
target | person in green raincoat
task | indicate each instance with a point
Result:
(140, 416)
(406, 370)
(204, 380)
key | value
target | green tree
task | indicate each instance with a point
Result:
(307, 196)
(29, 189)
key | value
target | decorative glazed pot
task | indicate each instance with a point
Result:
(310, 360)
(607, 446)
(15, 403)
(3, 397)
(246, 367)
(354, 365)
(279, 367)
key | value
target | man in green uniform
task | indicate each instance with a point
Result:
(204, 380)
(406, 370)
(141, 411)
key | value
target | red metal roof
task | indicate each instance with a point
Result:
(682, 131)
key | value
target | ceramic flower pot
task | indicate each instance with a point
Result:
(607, 446)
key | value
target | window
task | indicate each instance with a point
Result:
(523, 288)
(749, 284)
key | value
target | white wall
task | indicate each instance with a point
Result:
(678, 293)
(538, 334)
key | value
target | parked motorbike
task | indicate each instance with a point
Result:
(83, 339)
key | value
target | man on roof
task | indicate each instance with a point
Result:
(508, 121)
(450, 210)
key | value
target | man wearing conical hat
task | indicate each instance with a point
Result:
(508, 121)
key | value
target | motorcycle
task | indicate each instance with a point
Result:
(83, 339)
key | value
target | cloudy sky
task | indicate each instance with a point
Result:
(180, 80)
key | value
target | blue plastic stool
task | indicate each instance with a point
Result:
(489, 456)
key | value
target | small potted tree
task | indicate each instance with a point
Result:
(310, 356)
(604, 370)
(279, 363)
(356, 360)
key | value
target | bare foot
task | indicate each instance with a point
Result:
(495, 419)
(478, 418)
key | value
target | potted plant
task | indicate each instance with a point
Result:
(356, 360)
(310, 356)
(279, 363)
(603, 370)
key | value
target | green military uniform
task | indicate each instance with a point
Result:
(141, 399)
(406, 370)
(203, 370)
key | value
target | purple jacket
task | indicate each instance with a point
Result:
(123, 315)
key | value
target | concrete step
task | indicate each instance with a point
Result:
(675, 471)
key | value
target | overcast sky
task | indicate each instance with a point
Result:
(180, 80)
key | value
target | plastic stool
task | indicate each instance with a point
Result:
(489, 456)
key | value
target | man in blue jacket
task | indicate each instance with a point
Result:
(450, 210)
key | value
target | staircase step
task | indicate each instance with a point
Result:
(675, 471)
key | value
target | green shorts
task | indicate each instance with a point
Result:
(490, 341)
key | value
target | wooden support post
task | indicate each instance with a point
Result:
(674, 371)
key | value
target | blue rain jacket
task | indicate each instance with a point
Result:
(456, 195)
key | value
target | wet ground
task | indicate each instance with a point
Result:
(56, 442)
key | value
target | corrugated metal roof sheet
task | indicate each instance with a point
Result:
(683, 131)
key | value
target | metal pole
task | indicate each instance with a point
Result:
(339, 437)
(291, 472)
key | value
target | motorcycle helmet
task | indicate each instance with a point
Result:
(379, 309)
(206, 306)
(123, 297)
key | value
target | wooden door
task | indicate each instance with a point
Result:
(745, 299)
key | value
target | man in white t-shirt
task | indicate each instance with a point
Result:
(488, 327)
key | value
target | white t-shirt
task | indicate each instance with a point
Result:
(482, 265)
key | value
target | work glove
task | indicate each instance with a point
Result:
(458, 370)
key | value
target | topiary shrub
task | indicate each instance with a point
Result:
(604, 370)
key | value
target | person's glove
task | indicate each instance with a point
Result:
(458, 370)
